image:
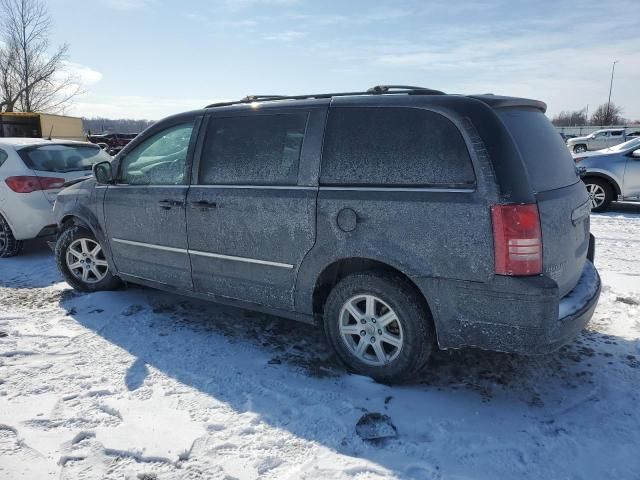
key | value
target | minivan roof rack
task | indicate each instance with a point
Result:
(377, 90)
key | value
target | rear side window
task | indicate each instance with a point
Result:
(546, 157)
(253, 150)
(62, 158)
(395, 147)
(3, 157)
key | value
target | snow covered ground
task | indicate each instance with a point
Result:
(140, 384)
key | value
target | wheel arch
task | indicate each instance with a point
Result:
(335, 271)
(7, 219)
(603, 176)
(72, 219)
(76, 218)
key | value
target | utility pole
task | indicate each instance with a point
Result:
(613, 69)
(586, 117)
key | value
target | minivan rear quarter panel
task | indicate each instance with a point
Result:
(425, 231)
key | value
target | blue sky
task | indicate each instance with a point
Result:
(151, 58)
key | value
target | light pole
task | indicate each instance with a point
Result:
(613, 69)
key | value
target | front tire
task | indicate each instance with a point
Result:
(379, 326)
(580, 148)
(9, 246)
(82, 262)
(600, 193)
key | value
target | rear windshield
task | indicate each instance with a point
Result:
(545, 155)
(63, 158)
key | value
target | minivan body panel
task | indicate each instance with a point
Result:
(250, 245)
(562, 199)
(148, 237)
(419, 247)
(255, 237)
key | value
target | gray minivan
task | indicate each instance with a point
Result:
(394, 218)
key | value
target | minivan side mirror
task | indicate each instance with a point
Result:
(636, 153)
(103, 173)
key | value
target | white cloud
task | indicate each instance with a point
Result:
(86, 76)
(286, 36)
(129, 4)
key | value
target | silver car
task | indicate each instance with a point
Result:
(611, 174)
(597, 140)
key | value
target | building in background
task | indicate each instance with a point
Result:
(41, 125)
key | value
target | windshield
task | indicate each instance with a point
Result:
(63, 158)
(625, 146)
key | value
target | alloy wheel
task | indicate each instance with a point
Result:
(596, 194)
(371, 330)
(86, 260)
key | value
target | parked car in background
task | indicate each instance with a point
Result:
(114, 141)
(611, 174)
(597, 140)
(391, 218)
(32, 172)
(567, 136)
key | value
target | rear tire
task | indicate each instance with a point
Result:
(392, 320)
(82, 262)
(9, 246)
(600, 193)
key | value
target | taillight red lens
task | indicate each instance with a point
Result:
(32, 184)
(517, 239)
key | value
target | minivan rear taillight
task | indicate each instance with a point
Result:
(28, 184)
(517, 239)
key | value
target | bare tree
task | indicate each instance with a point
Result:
(568, 118)
(32, 75)
(607, 114)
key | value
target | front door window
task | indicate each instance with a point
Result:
(160, 160)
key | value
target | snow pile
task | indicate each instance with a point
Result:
(139, 384)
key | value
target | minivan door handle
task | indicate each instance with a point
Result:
(203, 204)
(168, 204)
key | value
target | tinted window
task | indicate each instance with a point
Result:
(616, 134)
(393, 146)
(545, 155)
(253, 150)
(63, 158)
(3, 157)
(159, 160)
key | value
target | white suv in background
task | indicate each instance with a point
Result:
(32, 172)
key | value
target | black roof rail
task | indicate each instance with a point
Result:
(377, 90)
(381, 89)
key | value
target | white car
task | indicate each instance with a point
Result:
(32, 172)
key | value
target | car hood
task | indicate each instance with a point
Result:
(578, 139)
(592, 153)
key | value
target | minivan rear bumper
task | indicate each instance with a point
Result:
(574, 312)
(512, 314)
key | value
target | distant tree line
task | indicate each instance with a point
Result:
(97, 125)
(605, 114)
